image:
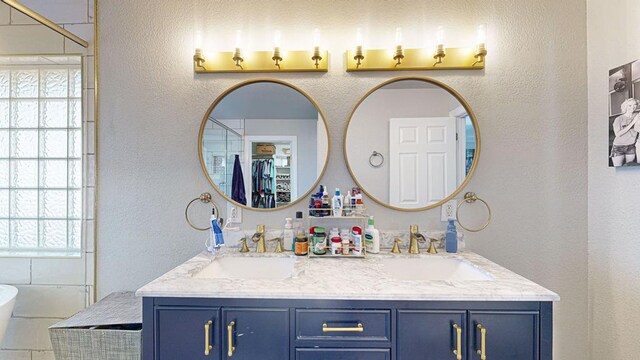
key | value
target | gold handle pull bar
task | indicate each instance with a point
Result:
(230, 338)
(458, 351)
(207, 338)
(483, 342)
(326, 328)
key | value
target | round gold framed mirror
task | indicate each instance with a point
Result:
(264, 144)
(412, 143)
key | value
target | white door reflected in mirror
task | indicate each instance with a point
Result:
(427, 132)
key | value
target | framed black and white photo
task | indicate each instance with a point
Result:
(624, 115)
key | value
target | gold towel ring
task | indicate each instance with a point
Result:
(204, 198)
(470, 198)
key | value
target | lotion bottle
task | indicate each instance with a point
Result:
(336, 203)
(372, 237)
(288, 234)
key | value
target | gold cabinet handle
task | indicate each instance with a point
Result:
(207, 338)
(483, 342)
(458, 351)
(326, 328)
(230, 338)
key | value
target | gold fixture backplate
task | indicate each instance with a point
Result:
(262, 62)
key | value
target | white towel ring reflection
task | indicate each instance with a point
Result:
(470, 198)
(372, 159)
(204, 198)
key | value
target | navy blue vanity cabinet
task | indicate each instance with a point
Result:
(431, 335)
(187, 333)
(256, 333)
(508, 335)
(313, 329)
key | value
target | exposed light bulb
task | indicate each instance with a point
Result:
(481, 34)
(316, 38)
(277, 39)
(481, 42)
(197, 39)
(398, 36)
(238, 39)
(440, 36)
(359, 39)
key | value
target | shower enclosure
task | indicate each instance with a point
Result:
(220, 145)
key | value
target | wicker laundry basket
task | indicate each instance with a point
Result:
(109, 330)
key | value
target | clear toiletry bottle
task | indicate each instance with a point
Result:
(288, 235)
(298, 224)
(336, 203)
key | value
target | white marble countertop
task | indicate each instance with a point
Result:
(312, 279)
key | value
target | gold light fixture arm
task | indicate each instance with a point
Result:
(276, 57)
(316, 56)
(198, 59)
(237, 57)
(359, 56)
(399, 55)
(481, 53)
(46, 22)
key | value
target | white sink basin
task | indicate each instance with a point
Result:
(433, 268)
(248, 268)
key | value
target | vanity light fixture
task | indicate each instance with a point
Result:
(399, 54)
(316, 47)
(446, 58)
(481, 44)
(277, 41)
(237, 54)
(359, 43)
(440, 52)
(272, 60)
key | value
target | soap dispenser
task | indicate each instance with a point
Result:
(451, 237)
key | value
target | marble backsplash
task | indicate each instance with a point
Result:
(387, 237)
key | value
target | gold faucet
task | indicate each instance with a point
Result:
(279, 247)
(432, 247)
(258, 238)
(396, 246)
(245, 248)
(414, 238)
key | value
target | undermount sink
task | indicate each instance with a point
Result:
(248, 268)
(433, 268)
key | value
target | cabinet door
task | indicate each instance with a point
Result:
(508, 335)
(184, 333)
(251, 334)
(431, 335)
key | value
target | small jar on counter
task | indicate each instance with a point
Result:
(346, 244)
(319, 241)
(345, 235)
(336, 246)
(301, 245)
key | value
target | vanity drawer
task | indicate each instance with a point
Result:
(343, 354)
(343, 325)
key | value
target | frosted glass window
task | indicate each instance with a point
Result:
(41, 166)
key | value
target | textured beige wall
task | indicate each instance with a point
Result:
(530, 102)
(614, 198)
